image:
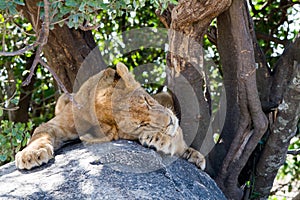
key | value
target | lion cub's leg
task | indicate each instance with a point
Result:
(174, 145)
(46, 138)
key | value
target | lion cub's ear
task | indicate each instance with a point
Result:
(127, 77)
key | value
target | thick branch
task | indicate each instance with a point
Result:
(186, 13)
(285, 125)
(190, 19)
(263, 72)
(66, 49)
(188, 24)
(236, 49)
(282, 71)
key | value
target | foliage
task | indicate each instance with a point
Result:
(76, 13)
(288, 177)
(292, 164)
(13, 137)
(112, 41)
(274, 19)
(10, 6)
(16, 68)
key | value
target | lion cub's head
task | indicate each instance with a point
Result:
(135, 111)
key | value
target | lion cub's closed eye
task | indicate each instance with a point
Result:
(114, 106)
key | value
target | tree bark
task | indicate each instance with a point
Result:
(286, 91)
(21, 114)
(188, 22)
(263, 72)
(247, 122)
(66, 49)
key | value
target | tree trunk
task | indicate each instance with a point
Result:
(188, 22)
(245, 122)
(21, 114)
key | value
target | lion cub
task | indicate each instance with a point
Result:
(113, 106)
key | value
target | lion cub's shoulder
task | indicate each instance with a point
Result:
(61, 102)
(165, 99)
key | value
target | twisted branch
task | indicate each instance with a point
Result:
(41, 41)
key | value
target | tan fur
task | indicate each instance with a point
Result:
(164, 99)
(112, 106)
(61, 103)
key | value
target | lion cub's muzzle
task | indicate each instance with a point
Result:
(173, 125)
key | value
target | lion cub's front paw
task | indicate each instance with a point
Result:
(194, 156)
(158, 141)
(34, 155)
(173, 145)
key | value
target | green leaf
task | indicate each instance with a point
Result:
(3, 5)
(15, 143)
(12, 10)
(92, 3)
(30, 125)
(1, 112)
(70, 24)
(40, 4)
(24, 142)
(45, 87)
(75, 19)
(71, 3)
(19, 2)
(13, 132)
(81, 7)
(14, 101)
(65, 10)
(103, 6)
(19, 137)
(3, 158)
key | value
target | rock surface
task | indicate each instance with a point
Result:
(115, 170)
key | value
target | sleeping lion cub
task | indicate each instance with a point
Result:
(111, 105)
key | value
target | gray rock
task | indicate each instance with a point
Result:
(115, 170)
